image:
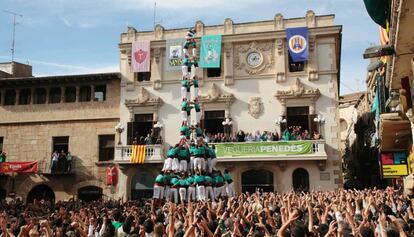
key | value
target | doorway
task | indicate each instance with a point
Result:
(213, 121)
(142, 185)
(257, 179)
(140, 128)
(90, 193)
(39, 192)
(300, 180)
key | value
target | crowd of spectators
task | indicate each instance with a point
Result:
(61, 162)
(289, 134)
(366, 213)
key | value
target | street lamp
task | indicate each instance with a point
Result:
(279, 121)
(319, 120)
(227, 123)
(119, 128)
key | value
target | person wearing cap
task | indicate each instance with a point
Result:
(183, 157)
(219, 185)
(159, 186)
(182, 187)
(199, 179)
(209, 187)
(191, 190)
(171, 154)
(230, 184)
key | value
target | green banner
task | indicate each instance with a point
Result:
(210, 52)
(263, 148)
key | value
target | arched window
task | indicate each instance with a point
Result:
(260, 178)
(142, 185)
(300, 180)
(90, 193)
(40, 192)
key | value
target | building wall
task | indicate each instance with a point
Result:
(244, 84)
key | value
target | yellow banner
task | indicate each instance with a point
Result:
(392, 171)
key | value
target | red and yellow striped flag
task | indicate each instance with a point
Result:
(138, 154)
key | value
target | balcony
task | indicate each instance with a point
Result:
(271, 151)
(153, 154)
(45, 168)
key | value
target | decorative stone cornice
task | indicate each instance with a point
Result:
(144, 99)
(298, 90)
(215, 95)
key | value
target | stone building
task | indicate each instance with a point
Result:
(76, 114)
(270, 96)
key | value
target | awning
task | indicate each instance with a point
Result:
(377, 10)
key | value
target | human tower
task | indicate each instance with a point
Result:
(189, 171)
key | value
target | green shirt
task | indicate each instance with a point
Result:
(174, 181)
(195, 83)
(2, 158)
(212, 152)
(183, 153)
(159, 178)
(172, 152)
(184, 105)
(116, 224)
(184, 83)
(199, 179)
(219, 179)
(199, 132)
(190, 180)
(199, 152)
(183, 183)
(209, 180)
(192, 150)
(227, 177)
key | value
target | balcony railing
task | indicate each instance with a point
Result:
(277, 150)
(45, 167)
(153, 154)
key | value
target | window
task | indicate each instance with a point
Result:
(54, 95)
(257, 179)
(100, 93)
(70, 94)
(298, 117)
(213, 121)
(40, 96)
(106, 147)
(1, 144)
(85, 93)
(24, 96)
(300, 180)
(0, 98)
(61, 143)
(295, 67)
(140, 128)
(214, 72)
(143, 76)
(10, 97)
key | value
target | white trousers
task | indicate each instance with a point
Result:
(184, 94)
(198, 117)
(212, 164)
(209, 193)
(198, 163)
(166, 192)
(183, 193)
(168, 163)
(184, 70)
(158, 192)
(230, 190)
(219, 192)
(201, 193)
(191, 168)
(173, 197)
(184, 116)
(195, 95)
(175, 165)
(183, 166)
(191, 193)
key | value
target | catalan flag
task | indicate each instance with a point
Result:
(138, 154)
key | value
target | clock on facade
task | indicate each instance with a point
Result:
(254, 59)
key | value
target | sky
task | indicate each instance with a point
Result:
(81, 36)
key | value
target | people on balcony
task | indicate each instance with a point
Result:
(61, 162)
(3, 156)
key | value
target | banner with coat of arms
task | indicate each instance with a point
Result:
(210, 51)
(141, 56)
(18, 167)
(174, 58)
(297, 41)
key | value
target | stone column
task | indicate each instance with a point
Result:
(2, 96)
(62, 94)
(280, 60)
(47, 95)
(32, 95)
(228, 64)
(156, 68)
(92, 92)
(17, 96)
(77, 93)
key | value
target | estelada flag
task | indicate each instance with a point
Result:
(18, 167)
(141, 56)
(138, 154)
